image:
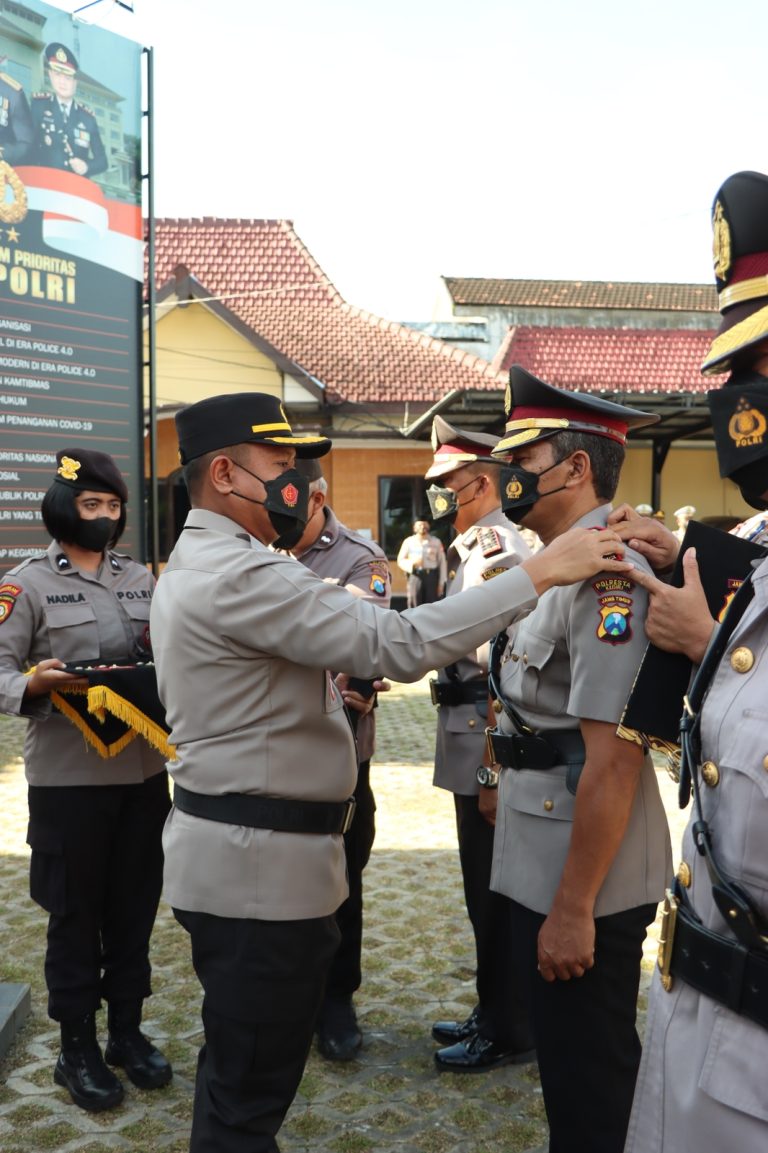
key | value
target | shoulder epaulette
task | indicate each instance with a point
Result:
(10, 81)
(490, 542)
(371, 545)
(84, 108)
(27, 561)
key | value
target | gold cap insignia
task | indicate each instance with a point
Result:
(721, 242)
(69, 468)
(61, 56)
(747, 425)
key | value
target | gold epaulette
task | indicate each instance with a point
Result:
(16, 84)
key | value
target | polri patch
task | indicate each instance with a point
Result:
(614, 605)
(492, 572)
(9, 594)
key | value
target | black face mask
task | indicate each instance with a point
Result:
(444, 502)
(520, 489)
(287, 504)
(94, 535)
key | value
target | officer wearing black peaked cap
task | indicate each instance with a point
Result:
(701, 1084)
(243, 638)
(66, 132)
(582, 846)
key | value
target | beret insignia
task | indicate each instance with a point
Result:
(69, 468)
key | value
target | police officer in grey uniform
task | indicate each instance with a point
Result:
(95, 825)
(422, 557)
(343, 557)
(66, 132)
(243, 637)
(701, 1083)
(17, 131)
(465, 490)
(582, 846)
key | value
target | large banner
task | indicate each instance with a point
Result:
(71, 262)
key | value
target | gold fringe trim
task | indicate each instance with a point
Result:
(101, 699)
(91, 738)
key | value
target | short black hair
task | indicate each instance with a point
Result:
(61, 518)
(195, 471)
(606, 456)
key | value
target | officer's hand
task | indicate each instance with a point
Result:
(49, 675)
(566, 945)
(645, 535)
(574, 556)
(678, 619)
(486, 803)
(355, 700)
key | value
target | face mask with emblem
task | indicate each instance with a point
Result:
(520, 489)
(740, 423)
(444, 503)
(287, 504)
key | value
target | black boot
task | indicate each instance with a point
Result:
(81, 1069)
(131, 1050)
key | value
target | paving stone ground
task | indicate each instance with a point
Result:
(417, 966)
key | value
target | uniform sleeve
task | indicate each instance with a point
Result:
(370, 578)
(284, 610)
(403, 558)
(443, 566)
(23, 130)
(606, 639)
(19, 617)
(98, 161)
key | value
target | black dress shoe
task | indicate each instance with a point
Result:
(145, 1065)
(478, 1055)
(91, 1084)
(338, 1033)
(449, 1032)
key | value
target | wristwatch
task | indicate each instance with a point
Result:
(488, 778)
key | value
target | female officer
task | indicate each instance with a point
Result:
(95, 824)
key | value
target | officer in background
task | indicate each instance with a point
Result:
(582, 845)
(682, 516)
(17, 131)
(701, 1083)
(66, 132)
(497, 1032)
(422, 557)
(243, 638)
(342, 557)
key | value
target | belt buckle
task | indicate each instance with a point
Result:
(666, 938)
(433, 691)
(349, 814)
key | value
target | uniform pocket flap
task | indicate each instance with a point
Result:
(68, 615)
(543, 794)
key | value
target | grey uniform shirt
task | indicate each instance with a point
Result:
(575, 656)
(342, 557)
(478, 555)
(48, 608)
(243, 638)
(701, 1084)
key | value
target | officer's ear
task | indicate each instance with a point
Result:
(579, 466)
(221, 473)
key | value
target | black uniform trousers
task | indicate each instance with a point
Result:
(263, 983)
(586, 1040)
(502, 1007)
(346, 974)
(97, 869)
(422, 587)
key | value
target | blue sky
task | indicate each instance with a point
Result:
(409, 139)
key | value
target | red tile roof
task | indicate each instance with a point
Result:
(581, 294)
(611, 359)
(261, 272)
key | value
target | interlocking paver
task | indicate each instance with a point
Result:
(417, 967)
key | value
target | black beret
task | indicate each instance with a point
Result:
(84, 468)
(240, 418)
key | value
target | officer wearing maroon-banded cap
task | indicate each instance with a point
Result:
(582, 846)
(465, 490)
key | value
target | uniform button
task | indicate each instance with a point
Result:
(514, 657)
(765, 764)
(452, 575)
(742, 659)
(525, 658)
(710, 774)
(498, 706)
(548, 806)
(472, 722)
(684, 874)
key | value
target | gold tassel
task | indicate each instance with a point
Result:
(102, 699)
(106, 751)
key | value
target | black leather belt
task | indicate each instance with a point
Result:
(720, 967)
(528, 751)
(458, 692)
(278, 813)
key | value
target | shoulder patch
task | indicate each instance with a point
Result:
(490, 542)
(492, 572)
(378, 585)
(9, 594)
(614, 607)
(9, 80)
